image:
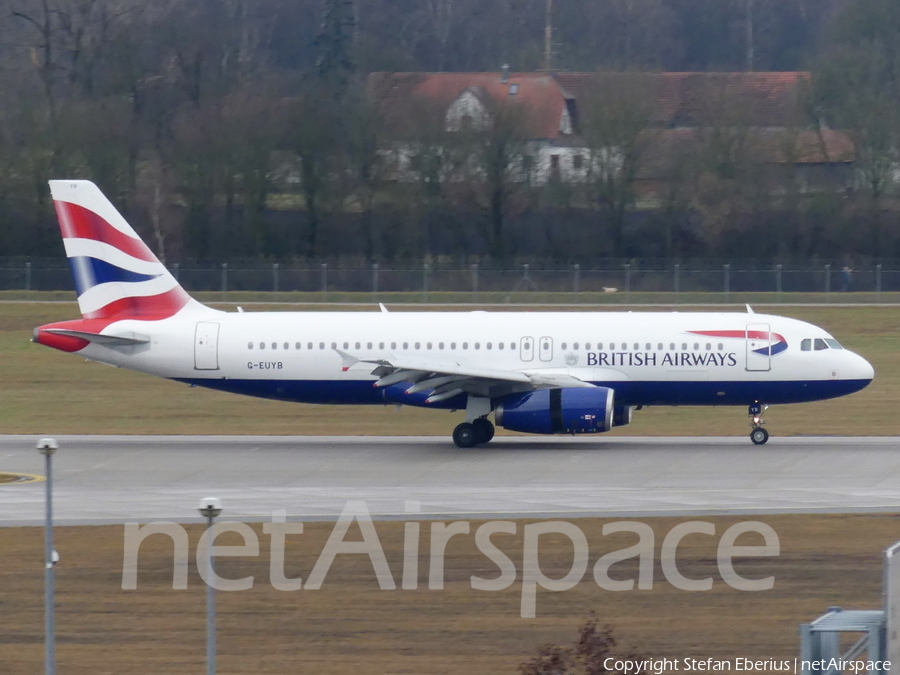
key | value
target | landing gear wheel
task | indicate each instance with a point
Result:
(465, 436)
(484, 430)
(759, 436)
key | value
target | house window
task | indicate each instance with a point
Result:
(528, 162)
(554, 162)
(577, 162)
(415, 162)
(466, 123)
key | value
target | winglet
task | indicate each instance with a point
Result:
(749, 309)
(347, 360)
(384, 309)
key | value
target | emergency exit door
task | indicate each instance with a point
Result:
(206, 346)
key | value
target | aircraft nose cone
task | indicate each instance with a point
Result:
(862, 369)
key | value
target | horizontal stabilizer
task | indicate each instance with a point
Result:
(101, 339)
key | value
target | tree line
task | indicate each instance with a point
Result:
(227, 128)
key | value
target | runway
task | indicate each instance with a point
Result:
(114, 479)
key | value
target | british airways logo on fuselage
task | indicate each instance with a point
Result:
(670, 359)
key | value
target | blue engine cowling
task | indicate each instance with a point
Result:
(573, 410)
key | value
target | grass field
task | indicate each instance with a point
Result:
(45, 391)
(350, 626)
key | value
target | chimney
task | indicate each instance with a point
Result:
(504, 73)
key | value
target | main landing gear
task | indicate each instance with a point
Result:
(470, 434)
(758, 435)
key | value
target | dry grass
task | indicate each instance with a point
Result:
(46, 391)
(349, 626)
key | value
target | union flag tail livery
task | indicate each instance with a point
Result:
(535, 372)
(116, 275)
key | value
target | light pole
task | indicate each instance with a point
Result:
(47, 447)
(209, 508)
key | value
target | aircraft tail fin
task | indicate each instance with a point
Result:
(116, 274)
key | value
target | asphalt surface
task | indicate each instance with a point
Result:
(114, 479)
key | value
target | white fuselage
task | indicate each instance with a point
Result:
(649, 358)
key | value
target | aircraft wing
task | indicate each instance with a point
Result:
(446, 379)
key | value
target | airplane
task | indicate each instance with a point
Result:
(536, 372)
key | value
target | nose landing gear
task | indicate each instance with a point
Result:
(758, 434)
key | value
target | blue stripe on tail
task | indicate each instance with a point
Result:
(89, 272)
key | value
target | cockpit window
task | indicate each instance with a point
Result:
(834, 344)
(806, 345)
(820, 345)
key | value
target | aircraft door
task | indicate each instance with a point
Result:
(526, 349)
(759, 347)
(546, 349)
(206, 346)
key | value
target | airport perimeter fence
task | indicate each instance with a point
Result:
(625, 282)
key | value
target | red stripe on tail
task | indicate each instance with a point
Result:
(77, 222)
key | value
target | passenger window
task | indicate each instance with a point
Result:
(599, 346)
(636, 346)
(649, 346)
(287, 345)
(477, 345)
(548, 346)
(298, 346)
(575, 346)
(346, 345)
(806, 345)
(393, 345)
(440, 345)
(587, 345)
(512, 345)
(418, 345)
(684, 346)
(499, 345)
(321, 345)
(274, 345)
(334, 345)
(708, 347)
(380, 345)
(721, 346)
(428, 345)
(309, 345)
(465, 345)
(452, 345)
(262, 345)
(659, 346)
(405, 345)
(671, 345)
(820, 345)
(249, 345)
(624, 346)
(369, 345)
(696, 345)
(357, 345)
(488, 345)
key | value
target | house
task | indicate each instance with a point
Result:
(681, 110)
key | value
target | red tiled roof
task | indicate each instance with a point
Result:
(538, 94)
(692, 99)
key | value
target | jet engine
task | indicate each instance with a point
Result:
(622, 415)
(572, 410)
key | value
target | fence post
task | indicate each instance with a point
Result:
(628, 280)
(576, 278)
(175, 270)
(28, 276)
(375, 280)
(324, 282)
(727, 269)
(274, 281)
(827, 280)
(878, 279)
(778, 280)
(224, 280)
(425, 269)
(475, 282)
(677, 275)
